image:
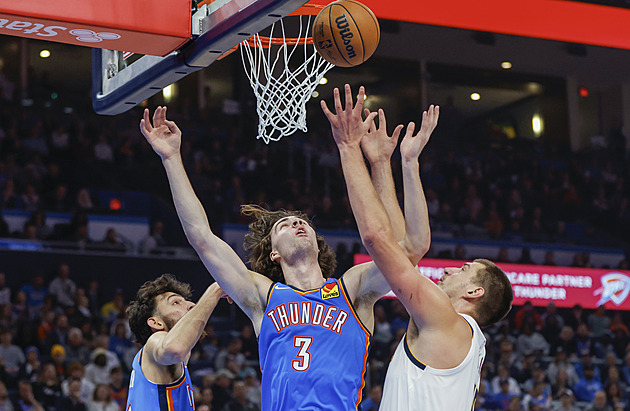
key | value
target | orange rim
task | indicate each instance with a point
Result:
(266, 42)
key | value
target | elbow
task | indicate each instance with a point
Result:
(175, 353)
(415, 250)
(374, 236)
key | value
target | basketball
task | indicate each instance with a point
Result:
(346, 33)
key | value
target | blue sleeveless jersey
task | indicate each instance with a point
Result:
(313, 349)
(145, 395)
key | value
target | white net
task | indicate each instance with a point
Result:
(283, 78)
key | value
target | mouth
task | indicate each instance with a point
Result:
(301, 231)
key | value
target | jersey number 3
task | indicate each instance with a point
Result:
(303, 360)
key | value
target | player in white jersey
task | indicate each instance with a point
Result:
(441, 355)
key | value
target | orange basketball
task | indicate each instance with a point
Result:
(346, 33)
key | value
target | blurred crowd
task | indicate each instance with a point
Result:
(64, 346)
(508, 189)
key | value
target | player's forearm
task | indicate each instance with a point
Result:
(383, 182)
(182, 338)
(417, 229)
(371, 218)
(189, 209)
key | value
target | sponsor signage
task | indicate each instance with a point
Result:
(157, 28)
(568, 20)
(564, 286)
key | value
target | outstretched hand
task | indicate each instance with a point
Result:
(163, 135)
(377, 145)
(347, 124)
(412, 146)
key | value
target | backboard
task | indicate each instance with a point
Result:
(121, 80)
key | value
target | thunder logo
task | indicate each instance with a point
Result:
(615, 287)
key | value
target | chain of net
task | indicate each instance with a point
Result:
(282, 92)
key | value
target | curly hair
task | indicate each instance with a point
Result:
(145, 304)
(258, 243)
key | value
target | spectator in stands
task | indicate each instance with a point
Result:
(502, 399)
(599, 323)
(586, 360)
(59, 333)
(239, 401)
(154, 239)
(30, 199)
(35, 292)
(98, 370)
(113, 308)
(63, 287)
(118, 390)
(250, 377)
(76, 350)
(25, 400)
(373, 400)
(531, 342)
(552, 325)
(620, 335)
(84, 200)
(527, 313)
(503, 373)
(32, 366)
(58, 357)
(5, 291)
(73, 401)
(550, 259)
(102, 150)
(119, 342)
(576, 317)
(11, 356)
(566, 342)
(561, 362)
(221, 388)
(5, 402)
(102, 400)
(614, 394)
(599, 402)
(566, 402)
(8, 199)
(585, 343)
(38, 220)
(587, 386)
(47, 388)
(76, 371)
(102, 341)
(113, 241)
(625, 370)
(562, 383)
(231, 354)
(537, 395)
(58, 200)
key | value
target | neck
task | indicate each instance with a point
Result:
(305, 274)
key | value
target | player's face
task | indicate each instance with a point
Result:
(455, 280)
(292, 233)
(172, 307)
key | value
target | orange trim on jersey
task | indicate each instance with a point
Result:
(472, 332)
(365, 362)
(169, 394)
(342, 286)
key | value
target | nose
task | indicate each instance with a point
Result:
(297, 223)
(191, 305)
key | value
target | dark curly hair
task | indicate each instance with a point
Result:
(145, 304)
(258, 243)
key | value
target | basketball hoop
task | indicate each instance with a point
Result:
(283, 72)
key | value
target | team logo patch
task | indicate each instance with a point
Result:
(330, 291)
(615, 287)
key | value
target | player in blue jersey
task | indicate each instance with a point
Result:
(168, 326)
(313, 331)
(437, 365)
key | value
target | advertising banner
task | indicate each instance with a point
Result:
(154, 28)
(564, 286)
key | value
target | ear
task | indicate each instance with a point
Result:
(475, 292)
(156, 324)
(274, 256)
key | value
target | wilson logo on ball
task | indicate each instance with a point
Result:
(346, 34)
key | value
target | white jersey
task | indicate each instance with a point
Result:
(412, 385)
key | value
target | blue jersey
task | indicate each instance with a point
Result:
(145, 395)
(313, 349)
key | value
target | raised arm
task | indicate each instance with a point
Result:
(417, 230)
(248, 289)
(378, 148)
(174, 346)
(426, 303)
